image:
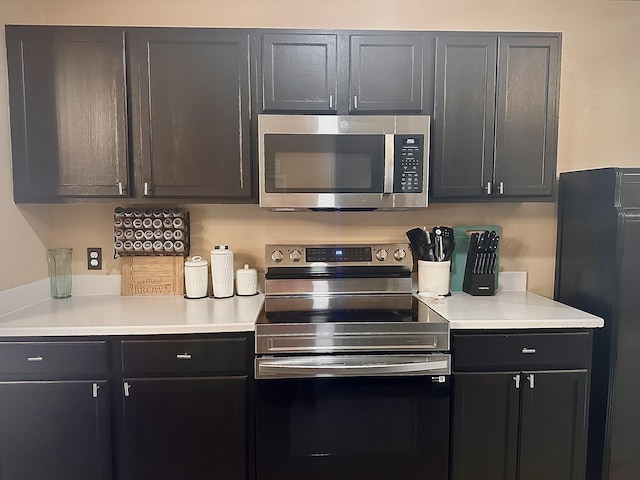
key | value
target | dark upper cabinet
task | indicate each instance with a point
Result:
(385, 73)
(343, 72)
(67, 96)
(299, 72)
(495, 117)
(189, 117)
(190, 90)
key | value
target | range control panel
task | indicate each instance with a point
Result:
(408, 164)
(333, 255)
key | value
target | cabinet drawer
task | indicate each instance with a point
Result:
(64, 359)
(525, 351)
(208, 356)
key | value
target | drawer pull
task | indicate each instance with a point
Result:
(35, 359)
(528, 350)
(183, 356)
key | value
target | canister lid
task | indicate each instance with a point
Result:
(246, 270)
(220, 250)
(195, 262)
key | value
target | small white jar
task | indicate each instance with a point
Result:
(196, 277)
(246, 281)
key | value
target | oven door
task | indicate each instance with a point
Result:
(373, 428)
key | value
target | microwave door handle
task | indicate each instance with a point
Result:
(389, 159)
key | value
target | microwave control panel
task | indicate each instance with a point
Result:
(408, 164)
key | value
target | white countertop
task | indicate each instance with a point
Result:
(136, 315)
(509, 310)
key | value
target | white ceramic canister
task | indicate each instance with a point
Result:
(246, 281)
(222, 271)
(196, 277)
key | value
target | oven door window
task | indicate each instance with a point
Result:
(324, 163)
(357, 428)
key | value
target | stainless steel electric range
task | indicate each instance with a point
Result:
(352, 370)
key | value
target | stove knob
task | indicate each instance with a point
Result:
(382, 255)
(295, 255)
(399, 254)
(277, 256)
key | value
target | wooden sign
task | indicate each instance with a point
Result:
(147, 275)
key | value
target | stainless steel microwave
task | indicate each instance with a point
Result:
(327, 162)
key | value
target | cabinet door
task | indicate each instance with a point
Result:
(193, 428)
(485, 426)
(554, 420)
(54, 431)
(527, 116)
(385, 73)
(192, 98)
(299, 72)
(464, 116)
(68, 112)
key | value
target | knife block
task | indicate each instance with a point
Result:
(477, 284)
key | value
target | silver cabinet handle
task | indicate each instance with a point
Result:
(183, 356)
(95, 390)
(146, 189)
(120, 189)
(489, 188)
(517, 380)
(126, 389)
(528, 350)
(530, 378)
(389, 160)
(330, 101)
(355, 102)
(35, 359)
(501, 188)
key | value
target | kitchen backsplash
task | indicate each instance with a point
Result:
(527, 244)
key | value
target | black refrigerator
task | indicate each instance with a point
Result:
(598, 270)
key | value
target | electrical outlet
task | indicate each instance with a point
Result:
(94, 258)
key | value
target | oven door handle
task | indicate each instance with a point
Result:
(349, 366)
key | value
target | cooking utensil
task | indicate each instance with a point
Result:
(420, 243)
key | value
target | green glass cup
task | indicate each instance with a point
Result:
(59, 261)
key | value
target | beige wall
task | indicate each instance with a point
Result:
(599, 116)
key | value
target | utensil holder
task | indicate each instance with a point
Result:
(434, 277)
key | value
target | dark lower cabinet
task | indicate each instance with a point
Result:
(55, 430)
(495, 117)
(485, 427)
(519, 425)
(185, 407)
(185, 428)
(520, 405)
(55, 416)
